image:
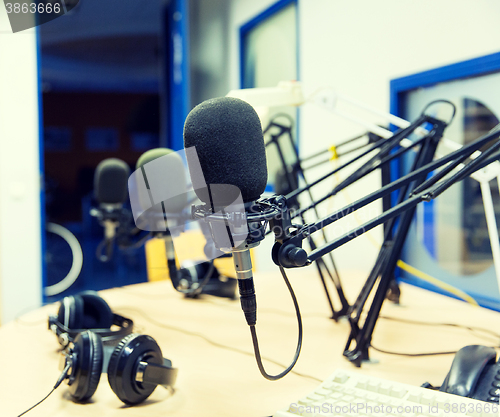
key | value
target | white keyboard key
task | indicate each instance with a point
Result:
(414, 397)
(348, 398)
(337, 387)
(383, 400)
(427, 399)
(325, 414)
(315, 397)
(329, 385)
(305, 401)
(384, 389)
(361, 383)
(341, 378)
(349, 394)
(361, 393)
(335, 396)
(322, 392)
(398, 392)
(294, 409)
(323, 409)
(308, 412)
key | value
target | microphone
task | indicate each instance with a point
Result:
(229, 174)
(110, 191)
(160, 174)
(162, 190)
(165, 180)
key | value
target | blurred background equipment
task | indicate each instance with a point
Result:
(161, 202)
(110, 192)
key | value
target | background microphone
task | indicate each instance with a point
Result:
(227, 136)
(167, 173)
(160, 198)
(110, 191)
(165, 179)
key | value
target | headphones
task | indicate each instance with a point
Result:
(135, 368)
(195, 278)
(84, 311)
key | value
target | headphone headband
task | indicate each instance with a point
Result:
(152, 373)
(67, 335)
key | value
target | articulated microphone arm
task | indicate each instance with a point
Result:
(383, 157)
(427, 191)
(333, 150)
(388, 150)
(414, 188)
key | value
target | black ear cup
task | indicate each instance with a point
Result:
(87, 366)
(123, 365)
(96, 313)
(85, 310)
(88, 311)
(70, 312)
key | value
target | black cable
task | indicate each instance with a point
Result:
(413, 354)
(442, 101)
(136, 245)
(272, 123)
(459, 326)
(286, 116)
(472, 329)
(38, 403)
(419, 354)
(59, 381)
(104, 244)
(423, 323)
(299, 341)
(212, 342)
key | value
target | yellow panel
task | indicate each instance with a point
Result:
(188, 246)
(156, 260)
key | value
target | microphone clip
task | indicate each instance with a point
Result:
(287, 250)
(110, 213)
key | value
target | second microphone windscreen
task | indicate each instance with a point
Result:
(110, 181)
(165, 176)
(227, 135)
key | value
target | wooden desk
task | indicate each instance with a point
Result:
(214, 381)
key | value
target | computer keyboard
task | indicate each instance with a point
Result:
(352, 394)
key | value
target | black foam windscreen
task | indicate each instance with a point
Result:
(110, 181)
(165, 178)
(227, 135)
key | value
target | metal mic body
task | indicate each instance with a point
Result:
(243, 266)
(237, 232)
(110, 219)
(110, 229)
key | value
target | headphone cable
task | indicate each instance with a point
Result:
(59, 381)
(38, 403)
